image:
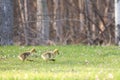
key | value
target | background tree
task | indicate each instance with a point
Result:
(117, 21)
(25, 22)
(43, 21)
(6, 22)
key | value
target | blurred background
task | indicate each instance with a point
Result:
(57, 22)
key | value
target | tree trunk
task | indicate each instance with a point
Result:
(6, 22)
(43, 21)
(88, 22)
(117, 22)
(57, 23)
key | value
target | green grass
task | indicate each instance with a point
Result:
(75, 62)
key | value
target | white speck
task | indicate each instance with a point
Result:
(96, 77)
(110, 76)
(4, 8)
(26, 76)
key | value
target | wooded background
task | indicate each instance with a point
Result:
(59, 22)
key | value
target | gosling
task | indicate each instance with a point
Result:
(23, 56)
(50, 55)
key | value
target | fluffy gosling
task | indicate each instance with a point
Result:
(23, 56)
(50, 55)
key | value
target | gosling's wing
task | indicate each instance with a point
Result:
(47, 55)
(24, 55)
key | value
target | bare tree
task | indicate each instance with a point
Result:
(43, 21)
(117, 22)
(6, 22)
(57, 24)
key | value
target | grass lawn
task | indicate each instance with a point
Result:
(75, 62)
